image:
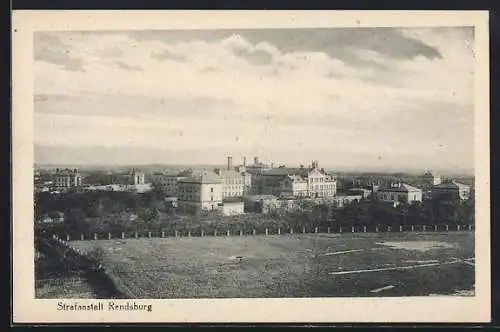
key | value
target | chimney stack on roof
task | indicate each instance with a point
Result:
(244, 161)
(229, 163)
(256, 160)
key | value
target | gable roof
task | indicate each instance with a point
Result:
(402, 188)
(451, 185)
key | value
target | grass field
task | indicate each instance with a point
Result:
(305, 265)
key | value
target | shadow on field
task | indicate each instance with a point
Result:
(57, 262)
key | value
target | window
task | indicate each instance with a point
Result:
(211, 190)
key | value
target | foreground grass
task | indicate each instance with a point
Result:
(285, 266)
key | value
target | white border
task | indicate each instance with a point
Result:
(27, 309)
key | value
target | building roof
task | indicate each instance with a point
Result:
(359, 189)
(296, 178)
(231, 173)
(284, 171)
(401, 188)
(202, 178)
(66, 172)
(451, 185)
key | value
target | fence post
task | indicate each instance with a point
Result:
(328, 230)
(389, 228)
(364, 229)
(352, 229)
(412, 228)
(95, 236)
(202, 233)
(376, 229)
(447, 228)
(424, 228)
(215, 232)
(136, 235)
(316, 230)
(253, 232)
(458, 227)
(435, 228)
(67, 237)
(189, 233)
(176, 233)
(303, 230)
(228, 233)
(400, 228)
(123, 235)
(109, 236)
(470, 227)
(340, 229)
(291, 230)
(279, 231)
(82, 237)
(267, 231)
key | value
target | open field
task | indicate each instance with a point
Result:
(305, 265)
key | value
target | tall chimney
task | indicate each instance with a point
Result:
(256, 160)
(229, 162)
(244, 161)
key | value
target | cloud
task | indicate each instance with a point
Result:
(126, 66)
(372, 90)
(51, 49)
(166, 55)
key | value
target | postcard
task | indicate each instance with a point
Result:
(250, 167)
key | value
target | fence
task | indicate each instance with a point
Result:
(266, 231)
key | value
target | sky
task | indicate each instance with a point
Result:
(381, 98)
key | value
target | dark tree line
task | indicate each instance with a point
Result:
(129, 212)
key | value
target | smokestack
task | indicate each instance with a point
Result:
(244, 161)
(256, 160)
(229, 162)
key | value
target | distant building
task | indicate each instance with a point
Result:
(342, 200)
(232, 207)
(65, 179)
(294, 186)
(431, 178)
(257, 167)
(451, 191)
(133, 177)
(236, 181)
(137, 177)
(139, 188)
(201, 192)
(261, 203)
(398, 193)
(363, 192)
(171, 202)
(310, 182)
(168, 182)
